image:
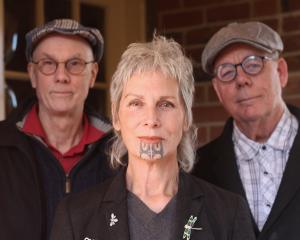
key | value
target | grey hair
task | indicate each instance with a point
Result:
(167, 56)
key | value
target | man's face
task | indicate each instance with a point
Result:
(251, 98)
(62, 92)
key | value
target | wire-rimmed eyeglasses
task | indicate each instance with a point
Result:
(73, 66)
(251, 65)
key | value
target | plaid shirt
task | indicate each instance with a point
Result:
(261, 165)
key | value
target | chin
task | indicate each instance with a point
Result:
(151, 158)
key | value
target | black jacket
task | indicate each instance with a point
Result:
(217, 164)
(87, 215)
(32, 182)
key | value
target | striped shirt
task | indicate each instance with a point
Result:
(261, 165)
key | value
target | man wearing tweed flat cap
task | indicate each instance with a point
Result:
(54, 144)
(257, 155)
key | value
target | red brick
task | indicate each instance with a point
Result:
(215, 132)
(264, 7)
(177, 36)
(202, 35)
(228, 12)
(209, 114)
(193, 3)
(291, 43)
(202, 135)
(292, 88)
(182, 19)
(294, 101)
(291, 23)
(273, 23)
(199, 94)
(212, 96)
(195, 54)
(200, 75)
(293, 63)
(166, 4)
(290, 5)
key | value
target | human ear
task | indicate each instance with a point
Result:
(30, 70)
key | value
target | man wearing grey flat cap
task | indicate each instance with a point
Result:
(54, 144)
(257, 155)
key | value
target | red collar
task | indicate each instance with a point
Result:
(33, 126)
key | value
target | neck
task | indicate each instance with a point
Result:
(62, 131)
(155, 183)
(261, 129)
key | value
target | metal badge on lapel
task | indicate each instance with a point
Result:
(189, 227)
(113, 219)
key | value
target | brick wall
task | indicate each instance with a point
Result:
(192, 23)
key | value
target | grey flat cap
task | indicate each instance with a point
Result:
(255, 34)
(65, 27)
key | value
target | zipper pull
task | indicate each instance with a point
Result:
(68, 184)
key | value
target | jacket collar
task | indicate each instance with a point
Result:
(227, 174)
(290, 183)
(189, 203)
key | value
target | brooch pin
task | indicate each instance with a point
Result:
(189, 226)
(113, 219)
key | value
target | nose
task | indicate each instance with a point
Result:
(151, 118)
(242, 79)
(61, 74)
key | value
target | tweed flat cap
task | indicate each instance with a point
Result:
(65, 27)
(255, 34)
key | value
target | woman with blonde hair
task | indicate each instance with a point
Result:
(153, 196)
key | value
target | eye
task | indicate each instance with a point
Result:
(253, 67)
(47, 62)
(226, 72)
(135, 103)
(166, 104)
(75, 62)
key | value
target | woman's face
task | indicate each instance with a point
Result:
(151, 116)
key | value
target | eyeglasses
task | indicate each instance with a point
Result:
(49, 66)
(251, 65)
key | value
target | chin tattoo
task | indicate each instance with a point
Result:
(151, 151)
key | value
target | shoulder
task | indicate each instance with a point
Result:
(295, 111)
(211, 191)
(90, 198)
(218, 200)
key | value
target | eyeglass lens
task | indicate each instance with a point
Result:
(251, 65)
(73, 66)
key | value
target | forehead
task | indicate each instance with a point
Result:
(235, 53)
(151, 82)
(58, 43)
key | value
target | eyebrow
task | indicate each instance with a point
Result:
(141, 96)
(47, 55)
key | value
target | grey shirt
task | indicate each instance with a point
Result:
(148, 225)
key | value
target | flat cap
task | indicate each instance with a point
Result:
(255, 34)
(65, 27)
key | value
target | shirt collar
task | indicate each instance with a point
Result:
(246, 148)
(32, 126)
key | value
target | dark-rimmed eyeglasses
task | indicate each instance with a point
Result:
(73, 66)
(251, 65)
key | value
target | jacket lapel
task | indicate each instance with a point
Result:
(189, 211)
(225, 167)
(114, 209)
(290, 183)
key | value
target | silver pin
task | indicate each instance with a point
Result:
(113, 219)
(189, 227)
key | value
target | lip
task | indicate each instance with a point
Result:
(247, 100)
(62, 93)
(150, 139)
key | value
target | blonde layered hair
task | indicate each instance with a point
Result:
(166, 56)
